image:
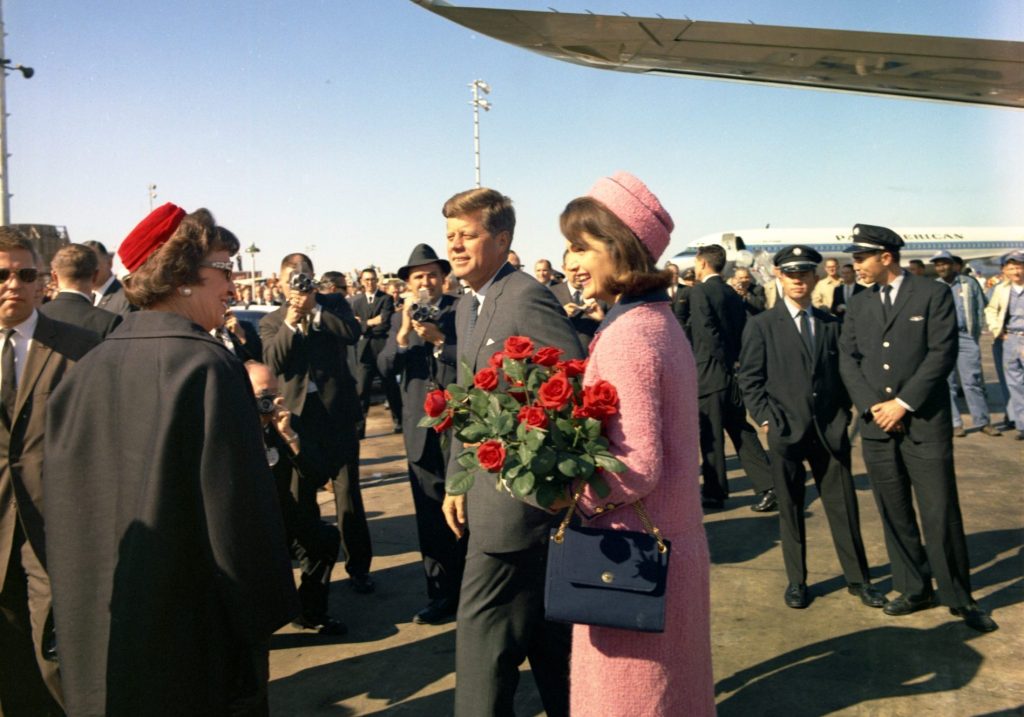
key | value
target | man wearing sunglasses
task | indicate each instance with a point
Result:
(36, 352)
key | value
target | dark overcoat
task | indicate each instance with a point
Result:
(73, 308)
(372, 340)
(717, 318)
(166, 548)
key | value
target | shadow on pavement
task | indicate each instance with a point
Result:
(737, 540)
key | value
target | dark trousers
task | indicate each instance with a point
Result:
(722, 412)
(315, 545)
(500, 624)
(900, 469)
(341, 446)
(29, 683)
(366, 369)
(444, 556)
(834, 482)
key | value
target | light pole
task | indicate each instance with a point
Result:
(152, 195)
(27, 72)
(478, 103)
(252, 251)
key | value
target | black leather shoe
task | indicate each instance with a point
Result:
(362, 583)
(768, 502)
(325, 625)
(712, 503)
(975, 618)
(906, 604)
(397, 427)
(868, 594)
(796, 596)
(436, 611)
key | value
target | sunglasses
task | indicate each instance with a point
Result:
(226, 266)
(26, 276)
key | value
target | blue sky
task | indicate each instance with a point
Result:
(345, 124)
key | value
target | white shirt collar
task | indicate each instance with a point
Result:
(27, 328)
(708, 277)
(100, 290)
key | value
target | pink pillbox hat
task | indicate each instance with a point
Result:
(632, 202)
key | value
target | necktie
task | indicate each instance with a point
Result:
(8, 377)
(805, 332)
(886, 301)
(474, 307)
(576, 298)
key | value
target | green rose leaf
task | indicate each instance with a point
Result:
(544, 462)
(534, 438)
(609, 463)
(428, 422)
(467, 460)
(524, 454)
(523, 484)
(592, 428)
(467, 373)
(456, 391)
(598, 483)
(516, 370)
(566, 426)
(547, 493)
(459, 483)
(585, 464)
(503, 423)
(473, 433)
(479, 402)
(535, 380)
(567, 465)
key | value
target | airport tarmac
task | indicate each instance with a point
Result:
(836, 657)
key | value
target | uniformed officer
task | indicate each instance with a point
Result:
(898, 345)
(789, 374)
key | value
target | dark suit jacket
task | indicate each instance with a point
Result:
(788, 388)
(114, 300)
(419, 373)
(717, 318)
(56, 347)
(372, 338)
(72, 308)
(585, 326)
(515, 305)
(296, 358)
(908, 357)
(837, 299)
(753, 302)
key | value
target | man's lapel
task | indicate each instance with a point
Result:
(38, 356)
(487, 313)
(789, 332)
(906, 289)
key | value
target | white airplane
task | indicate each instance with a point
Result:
(755, 247)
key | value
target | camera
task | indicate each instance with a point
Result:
(302, 283)
(422, 310)
(265, 405)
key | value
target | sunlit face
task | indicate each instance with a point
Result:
(1014, 271)
(944, 269)
(394, 290)
(542, 270)
(429, 277)
(368, 280)
(831, 268)
(596, 268)
(213, 295)
(848, 275)
(475, 254)
(287, 273)
(869, 266)
(571, 267)
(17, 297)
(798, 285)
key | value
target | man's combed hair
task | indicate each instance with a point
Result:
(75, 262)
(11, 240)
(714, 255)
(498, 213)
(636, 272)
(297, 261)
(176, 263)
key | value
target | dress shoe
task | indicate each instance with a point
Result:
(712, 503)
(1019, 436)
(989, 430)
(906, 604)
(959, 432)
(436, 611)
(397, 427)
(768, 502)
(325, 625)
(796, 596)
(975, 618)
(868, 594)
(362, 584)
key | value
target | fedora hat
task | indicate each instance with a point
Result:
(421, 255)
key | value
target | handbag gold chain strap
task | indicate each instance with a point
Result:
(638, 506)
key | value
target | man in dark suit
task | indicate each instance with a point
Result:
(240, 337)
(899, 344)
(750, 293)
(843, 293)
(421, 353)
(789, 372)
(717, 319)
(501, 607)
(107, 292)
(37, 352)
(304, 343)
(373, 310)
(73, 269)
(584, 316)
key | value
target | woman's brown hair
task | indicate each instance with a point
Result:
(176, 263)
(635, 270)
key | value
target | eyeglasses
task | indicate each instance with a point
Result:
(26, 276)
(226, 266)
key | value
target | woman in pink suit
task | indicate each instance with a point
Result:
(617, 232)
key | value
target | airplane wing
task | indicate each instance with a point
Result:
(950, 69)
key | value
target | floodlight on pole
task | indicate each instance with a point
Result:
(26, 72)
(152, 195)
(252, 251)
(478, 103)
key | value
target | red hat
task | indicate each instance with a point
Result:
(149, 235)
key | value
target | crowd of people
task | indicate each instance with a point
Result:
(180, 449)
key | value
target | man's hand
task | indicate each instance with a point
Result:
(454, 509)
(887, 415)
(232, 325)
(375, 321)
(594, 311)
(299, 306)
(428, 331)
(283, 421)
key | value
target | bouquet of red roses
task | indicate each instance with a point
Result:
(527, 419)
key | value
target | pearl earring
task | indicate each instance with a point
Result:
(186, 291)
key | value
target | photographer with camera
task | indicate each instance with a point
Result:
(304, 344)
(373, 309)
(298, 472)
(421, 351)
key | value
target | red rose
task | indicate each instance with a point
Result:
(533, 416)
(519, 394)
(486, 379)
(491, 456)
(518, 347)
(445, 424)
(555, 392)
(581, 412)
(573, 367)
(496, 360)
(547, 356)
(601, 400)
(435, 403)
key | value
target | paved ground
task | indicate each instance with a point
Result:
(835, 657)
